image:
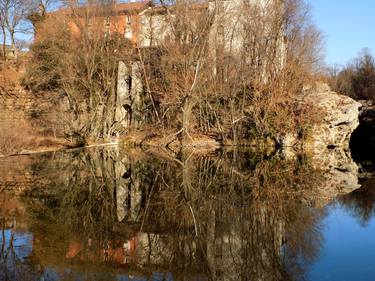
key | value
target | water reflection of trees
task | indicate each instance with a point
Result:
(212, 217)
(13, 265)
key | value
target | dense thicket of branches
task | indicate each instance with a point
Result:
(231, 69)
(82, 66)
(356, 79)
(234, 70)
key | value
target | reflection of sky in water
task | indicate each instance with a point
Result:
(22, 243)
(348, 250)
(347, 253)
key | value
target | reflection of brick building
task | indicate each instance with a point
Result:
(119, 253)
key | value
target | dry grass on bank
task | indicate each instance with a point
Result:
(15, 136)
(27, 121)
(19, 133)
(20, 137)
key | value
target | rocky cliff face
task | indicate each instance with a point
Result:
(339, 119)
(338, 116)
(327, 142)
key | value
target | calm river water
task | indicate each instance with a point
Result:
(114, 214)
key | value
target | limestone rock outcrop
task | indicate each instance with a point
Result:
(340, 119)
(129, 101)
(338, 114)
(327, 141)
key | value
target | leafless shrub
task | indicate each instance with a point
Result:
(75, 57)
(226, 69)
(357, 79)
(232, 70)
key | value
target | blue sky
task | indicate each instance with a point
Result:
(348, 26)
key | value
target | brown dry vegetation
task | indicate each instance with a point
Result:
(83, 69)
(27, 121)
(191, 84)
(19, 134)
(196, 81)
(15, 130)
(357, 78)
(15, 136)
(242, 194)
(235, 93)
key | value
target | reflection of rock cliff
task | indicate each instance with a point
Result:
(339, 173)
(339, 170)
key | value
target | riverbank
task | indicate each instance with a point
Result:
(34, 123)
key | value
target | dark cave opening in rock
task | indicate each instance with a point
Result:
(362, 141)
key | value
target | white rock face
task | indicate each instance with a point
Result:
(339, 118)
(129, 97)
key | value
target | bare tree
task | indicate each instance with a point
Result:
(226, 69)
(3, 30)
(38, 11)
(75, 55)
(357, 78)
(14, 13)
(230, 68)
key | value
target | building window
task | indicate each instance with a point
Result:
(128, 19)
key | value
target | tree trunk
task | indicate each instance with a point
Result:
(186, 116)
(13, 44)
(4, 43)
